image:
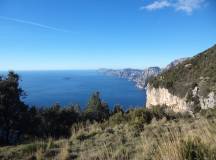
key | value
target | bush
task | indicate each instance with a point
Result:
(96, 109)
(195, 149)
(117, 119)
(140, 115)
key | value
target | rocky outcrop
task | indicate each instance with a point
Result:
(162, 96)
(205, 102)
(208, 102)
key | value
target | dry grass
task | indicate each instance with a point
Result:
(193, 138)
(64, 153)
(180, 141)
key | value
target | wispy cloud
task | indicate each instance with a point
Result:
(34, 24)
(187, 6)
(157, 5)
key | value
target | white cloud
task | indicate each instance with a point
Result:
(157, 5)
(187, 6)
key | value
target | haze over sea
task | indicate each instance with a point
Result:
(44, 88)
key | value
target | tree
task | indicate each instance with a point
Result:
(55, 121)
(12, 110)
(96, 110)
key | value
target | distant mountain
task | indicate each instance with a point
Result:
(140, 77)
(190, 85)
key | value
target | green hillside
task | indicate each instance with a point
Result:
(198, 71)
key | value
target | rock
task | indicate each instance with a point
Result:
(139, 77)
(162, 96)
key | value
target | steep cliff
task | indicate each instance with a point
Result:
(139, 77)
(190, 85)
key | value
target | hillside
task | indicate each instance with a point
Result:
(137, 135)
(99, 133)
(193, 80)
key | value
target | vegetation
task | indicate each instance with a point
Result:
(134, 137)
(96, 110)
(198, 71)
(17, 119)
(12, 110)
(96, 133)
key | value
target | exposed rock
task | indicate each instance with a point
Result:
(162, 96)
(140, 77)
(208, 102)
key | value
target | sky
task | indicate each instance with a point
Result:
(92, 34)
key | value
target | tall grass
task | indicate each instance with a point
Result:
(64, 153)
(162, 139)
(191, 141)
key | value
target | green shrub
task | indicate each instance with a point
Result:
(196, 150)
(117, 119)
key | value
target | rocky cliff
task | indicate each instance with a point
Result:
(188, 86)
(139, 77)
(162, 96)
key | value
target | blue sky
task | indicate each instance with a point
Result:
(91, 34)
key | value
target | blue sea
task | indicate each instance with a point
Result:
(44, 88)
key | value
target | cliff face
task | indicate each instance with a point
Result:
(162, 96)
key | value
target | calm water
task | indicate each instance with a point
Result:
(44, 88)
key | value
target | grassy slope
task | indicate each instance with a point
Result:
(119, 138)
(200, 70)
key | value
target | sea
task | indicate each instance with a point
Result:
(45, 88)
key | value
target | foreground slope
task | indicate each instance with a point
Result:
(128, 136)
(190, 85)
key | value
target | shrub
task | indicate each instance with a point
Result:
(96, 109)
(195, 149)
(117, 119)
